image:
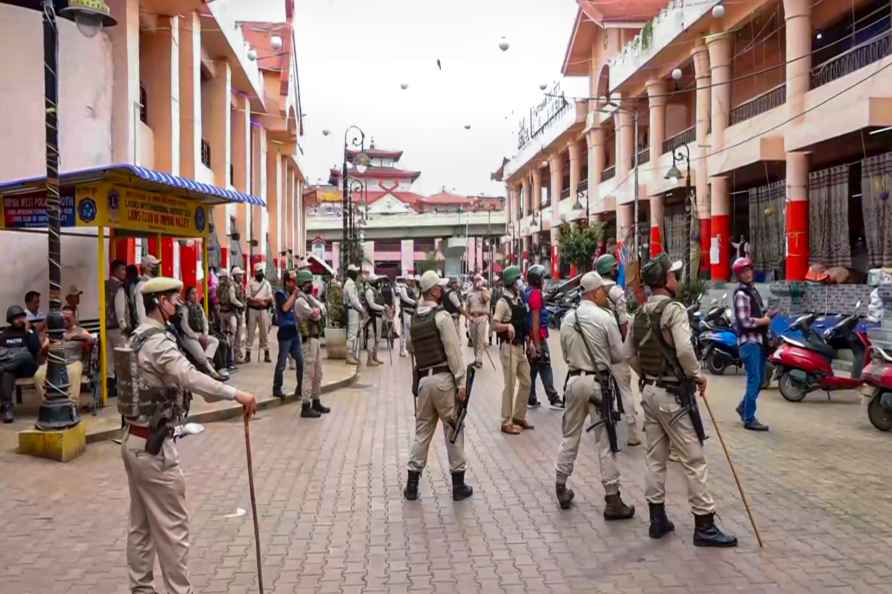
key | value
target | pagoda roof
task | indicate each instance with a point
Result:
(410, 198)
(375, 153)
(378, 173)
(448, 198)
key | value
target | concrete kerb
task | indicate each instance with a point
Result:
(233, 410)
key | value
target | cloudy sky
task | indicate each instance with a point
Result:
(353, 55)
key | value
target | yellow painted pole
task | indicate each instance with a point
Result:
(204, 282)
(103, 335)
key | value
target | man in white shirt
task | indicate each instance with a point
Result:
(260, 298)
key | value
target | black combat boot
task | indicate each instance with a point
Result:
(411, 490)
(6, 411)
(659, 521)
(616, 509)
(266, 358)
(308, 412)
(707, 534)
(7, 389)
(319, 407)
(111, 385)
(564, 495)
(247, 357)
(459, 489)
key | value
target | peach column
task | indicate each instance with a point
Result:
(594, 140)
(656, 100)
(159, 56)
(625, 143)
(535, 207)
(190, 94)
(701, 165)
(797, 14)
(556, 176)
(719, 46)
(625, 215)
(797, 216)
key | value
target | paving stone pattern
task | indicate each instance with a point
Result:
(333, 519)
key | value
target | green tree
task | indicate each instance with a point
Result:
(578, 246)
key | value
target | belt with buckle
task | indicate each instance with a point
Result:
(434, 371)
(652, 381)
(578, 372)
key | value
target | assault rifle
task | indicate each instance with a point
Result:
(610, 408)
(461, 408)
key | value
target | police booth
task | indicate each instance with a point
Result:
(118, 206)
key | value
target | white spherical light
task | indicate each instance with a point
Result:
(326, 132)
(467, 126)
(676, 74)
(404, 86)
(276, 42)
(504, 45)
(542, 87)
(718, 11)
(252, 55)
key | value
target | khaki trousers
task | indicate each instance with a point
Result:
(660, 408)
(115, 339)
(623, 375)
(436, 401)
(477, 328)
(354, 320)
(257, 319)
(404, 335)
(75, 374)
(234, 325)
(580, 408)
(516, 376)
(311, 386)
(159, 521)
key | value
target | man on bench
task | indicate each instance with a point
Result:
(19, 349)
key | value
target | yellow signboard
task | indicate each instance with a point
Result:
(137, 210)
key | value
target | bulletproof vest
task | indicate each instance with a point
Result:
(240, 292)
(223, 296)
(13, 339)
(413, 295)
(112, 286)
(136, 399)
(426, 344)
(360, 289)
(494, 298)
(647, 337)
(519, 319)
(310, 328)
(376, 295)
(196, 317)
(447, 303)
(386, 294)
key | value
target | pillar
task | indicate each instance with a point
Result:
(797, 216)
(656, 225)
(288, 209)
(125, 90)
(797, 14)
(719, 48)
(240, 120)
(160, 76)
(523, 205)
(625, 143)
(594, 140)
(625, 216)
(273, 200)
(336, 255)
(217, 132)
(407, 256)
(190, 93)
(556, 176)
(720, 240)
(258, 185)
(656, 100)
(701, 165)
(535, 201)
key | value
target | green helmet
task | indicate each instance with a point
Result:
(606, 265)
(304, 276)
(510, 275)
(655, 272)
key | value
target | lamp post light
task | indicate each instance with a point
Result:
(682, 154)
(353, 137)
(57, 411)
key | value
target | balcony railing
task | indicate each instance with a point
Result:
(683, 137)
(565, 193)
(859, 56)
(205, 153)
(758, 105)
(608, 173)
(582, 186)
(644, 155)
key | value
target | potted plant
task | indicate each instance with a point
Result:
(335, 321)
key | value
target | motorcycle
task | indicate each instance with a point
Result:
(560, 305)
(877, 388)
(805, 365)
(718, 340)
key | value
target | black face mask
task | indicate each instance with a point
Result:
(307, 288)
(19, 323)
(258, 277)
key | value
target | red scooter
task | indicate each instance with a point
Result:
(878, 389)
(805, 366)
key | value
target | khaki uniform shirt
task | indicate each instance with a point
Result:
(122, 308)
(503, 309)
(677, 333)
(449, 338)
(351, 296)
(599, 332)
(162, 365)
(478, 301)
(305, 304)
(617, 303)
(136, 296)
(262, 291)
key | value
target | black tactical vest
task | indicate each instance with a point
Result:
(112, 286)
(310, 328)
(519, 319)
(405, 305)
(196, 317)
(650, 346)
(426, 344)
(448, 305)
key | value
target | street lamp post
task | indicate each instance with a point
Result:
(353, 137)
(57, 411)
(674, 174)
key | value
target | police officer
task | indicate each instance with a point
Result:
(151, 267)
(239, 302)
(310, 312)
(478, 314)
(512, 326)
(452, 304)
(664, 359)
(21, 346)
(117, 318)
(440, 370)
(607, 266)
(589, 331)
(355, 314)
(153, 404)
(408, 293)
(260, 298)
(376, 314)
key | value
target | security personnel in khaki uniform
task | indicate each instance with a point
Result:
(440, 370)
(237, 321)
(589, 331)
(260, 298)
(478, 314)
(606, 266)
(117, 319)
(376, 314)
(153, 404)
(661, 332)
(408, 298)
(355, 314)
(310, 313)
(512, 326)
(151, 267)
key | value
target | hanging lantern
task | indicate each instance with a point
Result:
(404, 86)
(676, 74)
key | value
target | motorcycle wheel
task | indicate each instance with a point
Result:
(878, 415)
(790, 389)
(716, 363)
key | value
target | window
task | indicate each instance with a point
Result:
(143, 105)
(205, 153)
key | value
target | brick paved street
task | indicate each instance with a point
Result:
(333, 519)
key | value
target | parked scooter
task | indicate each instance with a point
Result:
(805, 365)
(718, 340)
(560, 305)
(877, 389)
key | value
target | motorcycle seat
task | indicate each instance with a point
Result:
(812, 345)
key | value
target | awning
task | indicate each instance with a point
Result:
(319, 267)
(142, 177)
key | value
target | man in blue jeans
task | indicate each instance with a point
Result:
(288, 335)
(751, 322)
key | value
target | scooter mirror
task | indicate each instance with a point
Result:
(858, 305)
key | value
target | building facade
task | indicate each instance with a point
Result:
(757, 128)
(401, 231)
(180, 89)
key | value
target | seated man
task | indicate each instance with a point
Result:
(76, 341)
(195, 336)
(19, 349)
